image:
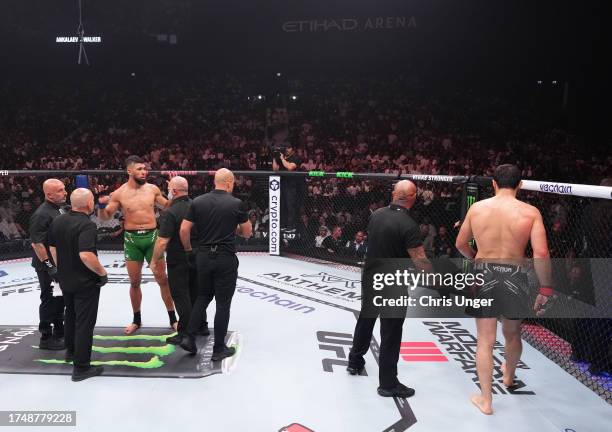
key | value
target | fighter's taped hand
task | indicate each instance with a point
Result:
(103, 201)
(546, 291)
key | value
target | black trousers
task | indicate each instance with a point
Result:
(81, 316)
(390, 342)
(51, 309)
(183, 283)
(216, 279)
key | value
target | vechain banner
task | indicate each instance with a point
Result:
(274, 185)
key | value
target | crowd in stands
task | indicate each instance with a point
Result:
(358, 125)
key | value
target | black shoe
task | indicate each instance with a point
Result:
(90, 372)
(58, 333)
(226, 352)
(69, 357)
(400, 390)
(51, 343)
(175, 340)
(355, 370)
(203, 331)
(189, 345)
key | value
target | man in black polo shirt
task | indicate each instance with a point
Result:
(72, 240)
(218, 217)
(392, 233)
(51, 310)
(182, 275)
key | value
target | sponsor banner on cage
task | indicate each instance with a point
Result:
(274, 185)
(591, 191)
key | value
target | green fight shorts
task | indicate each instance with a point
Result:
(138, 244)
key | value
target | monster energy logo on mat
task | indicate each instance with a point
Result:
(145, 354)
(155, 351)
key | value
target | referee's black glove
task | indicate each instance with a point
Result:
(51, 269)
(103, 281)
(191, 259)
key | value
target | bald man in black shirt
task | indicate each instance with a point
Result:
(182, 274)
(218, 217)
(392, 233)
(51, 310)
(72, 241)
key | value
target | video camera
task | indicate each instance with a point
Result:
(277, 149)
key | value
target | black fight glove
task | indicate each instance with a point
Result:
(103, 281)
(51, 269)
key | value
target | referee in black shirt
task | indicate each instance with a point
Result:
(218, 217)
(392, 233)
(72, 240)
(182, 275)
(51, 310)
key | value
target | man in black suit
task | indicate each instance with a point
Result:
(358, 247)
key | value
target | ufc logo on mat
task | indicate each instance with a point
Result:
(340, 344)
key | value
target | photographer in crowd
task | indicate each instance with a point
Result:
(284, 158)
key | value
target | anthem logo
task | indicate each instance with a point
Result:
(333, 279)
(334, 287)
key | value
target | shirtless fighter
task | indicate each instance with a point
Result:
(137, 199)
(502, 226)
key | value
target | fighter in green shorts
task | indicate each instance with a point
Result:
(138, 244)
(138, 200)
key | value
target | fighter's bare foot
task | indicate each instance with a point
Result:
(482, 404)
(508, 380)
(130, 329)
(175, 325)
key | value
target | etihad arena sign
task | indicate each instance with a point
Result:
(76, 39)
(349, 24)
